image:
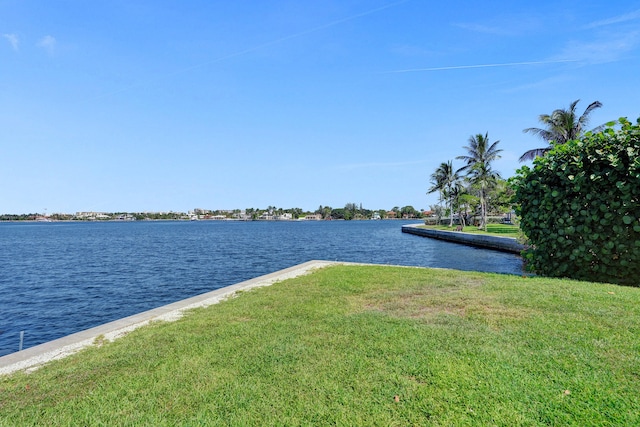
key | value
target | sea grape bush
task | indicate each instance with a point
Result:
(580, 207)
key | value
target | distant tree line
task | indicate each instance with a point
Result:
(351, 211)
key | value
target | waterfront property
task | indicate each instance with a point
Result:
(360, 345)
(34, 357)
(313, 217)
(60, 278)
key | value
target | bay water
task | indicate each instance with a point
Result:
(59, 278)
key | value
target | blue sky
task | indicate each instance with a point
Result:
(174, 105)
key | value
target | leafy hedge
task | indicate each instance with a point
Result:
(580, 207)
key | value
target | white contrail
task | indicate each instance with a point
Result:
(291, 36)
(318, 28)
(462, 67)
(258, 47)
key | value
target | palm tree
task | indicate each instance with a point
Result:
(561, 126)
(480, 155)
(443, 180)
(437, 184)
(458, 193)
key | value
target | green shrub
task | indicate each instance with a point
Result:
(580, 207)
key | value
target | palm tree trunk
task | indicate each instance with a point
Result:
(450, 213)
(483, 208)
(461, 214)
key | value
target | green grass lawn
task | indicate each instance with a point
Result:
(361, 345)
(504, 230)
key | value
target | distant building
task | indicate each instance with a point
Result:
(92, 215)
(284, 217)
(313, 217)
(266, 216)
(242, 216)
(126, 217)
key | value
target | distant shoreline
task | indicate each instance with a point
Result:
(198, 220)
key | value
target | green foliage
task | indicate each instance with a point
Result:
(502, 230)
(480, 154)
(410, 212)
(500, 197)
(438, 211)
(580, 207)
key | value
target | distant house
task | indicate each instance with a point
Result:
(266, 216)
(92, 215)
(313, 217)
(242, 216)
(391, 215)
(285, 217)
(125, 217)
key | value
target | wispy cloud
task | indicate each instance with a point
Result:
(13, 40)
(266, 44)
(463, 67)
(48, 43)
(607, 48)
(615, 20)
(612, 39)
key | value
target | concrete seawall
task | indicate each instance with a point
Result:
(504, 244)
(33, 357)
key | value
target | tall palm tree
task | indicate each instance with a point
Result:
(437, 183)
(443, 180)
(480, 154)
(561, 126)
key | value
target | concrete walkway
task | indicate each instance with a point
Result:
(498, 243)
(33, 357)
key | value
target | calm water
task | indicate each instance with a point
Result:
(61, 278)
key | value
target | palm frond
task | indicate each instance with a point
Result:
(542, 133)
(560, 126)
(591, 107)
(532, 154)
